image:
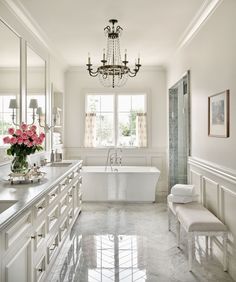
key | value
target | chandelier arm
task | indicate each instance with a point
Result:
(91, 72)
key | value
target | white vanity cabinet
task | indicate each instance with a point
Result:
(32, 241)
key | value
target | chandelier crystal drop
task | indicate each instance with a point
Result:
(113, 72)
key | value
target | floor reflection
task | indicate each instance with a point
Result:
(104, 258)
(129, 243)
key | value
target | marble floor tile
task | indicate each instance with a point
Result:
(127, 243)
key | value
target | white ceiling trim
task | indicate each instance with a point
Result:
(204, 13)
(30, 24)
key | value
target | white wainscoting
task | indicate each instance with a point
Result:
(140, 157)
(216, 187)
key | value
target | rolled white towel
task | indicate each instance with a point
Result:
(182, 199)
(182, 190)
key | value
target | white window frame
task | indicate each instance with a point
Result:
(116, 93)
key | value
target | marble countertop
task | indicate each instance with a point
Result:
(26, 195)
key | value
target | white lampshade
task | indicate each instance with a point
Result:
(39, 111)
(33, 104)
(13, 104)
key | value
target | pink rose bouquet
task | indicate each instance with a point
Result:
(24, 141)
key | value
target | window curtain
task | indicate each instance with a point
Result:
(141, 129)
(90, 130)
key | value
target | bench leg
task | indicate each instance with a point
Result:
(178, 232)
(190, 250)
(169, 219)
(206, 242)
(225, 237)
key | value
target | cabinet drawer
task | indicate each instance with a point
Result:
(63, 204)
(63, 228)
(52, 248)
(53, 217)
(18, 229)
(52, 195)
(63, 184)
(39, 235)
(70, 195)
(70, 177)
(39, 269)
(40, 207)
(70, 216)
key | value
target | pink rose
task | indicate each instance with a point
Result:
(24, 136)
(30, 144)
(24, 126)
(6, 140)
(33, 128)
(13, 140)
(26, 142)
(18, 132)
(11, 131)
(34, 137)
(30, 133)
(39, 141)
(41, 135)
(20, 140)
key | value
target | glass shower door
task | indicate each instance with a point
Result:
(179, 141)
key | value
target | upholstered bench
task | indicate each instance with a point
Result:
(197, 221)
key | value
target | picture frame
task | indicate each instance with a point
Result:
(218, 114)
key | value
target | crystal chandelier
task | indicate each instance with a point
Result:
(113, 72)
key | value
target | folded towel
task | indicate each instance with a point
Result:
(182, 199)
(182, 190)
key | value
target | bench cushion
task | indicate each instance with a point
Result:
(173, 206)
(195, 217)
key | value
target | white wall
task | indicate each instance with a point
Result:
(152, 80)
(211, 58)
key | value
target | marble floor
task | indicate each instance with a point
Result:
(130, 242)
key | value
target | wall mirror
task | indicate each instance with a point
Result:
(9, 80)
(35, 89)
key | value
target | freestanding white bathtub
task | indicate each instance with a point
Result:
(124, 183)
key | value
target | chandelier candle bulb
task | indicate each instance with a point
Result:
(125, 54)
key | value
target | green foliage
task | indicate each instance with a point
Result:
(23, 150)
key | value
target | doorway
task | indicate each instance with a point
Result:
(179, 130)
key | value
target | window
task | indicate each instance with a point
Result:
(116, 119)
(5, 116)
(128, 107)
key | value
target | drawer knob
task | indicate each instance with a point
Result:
(32, 237)
(40, 235)
(40, 208)
(40, 270)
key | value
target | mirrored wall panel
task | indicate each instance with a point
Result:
(9, 79)
(36, 89)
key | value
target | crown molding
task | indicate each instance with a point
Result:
(206, 10)
(30, 24)
(142, 69)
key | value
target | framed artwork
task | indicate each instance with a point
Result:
(218, 114)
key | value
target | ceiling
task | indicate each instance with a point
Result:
(152, 28)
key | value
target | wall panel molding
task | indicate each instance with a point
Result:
(219, 171)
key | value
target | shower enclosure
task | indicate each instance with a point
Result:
(179, 130)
